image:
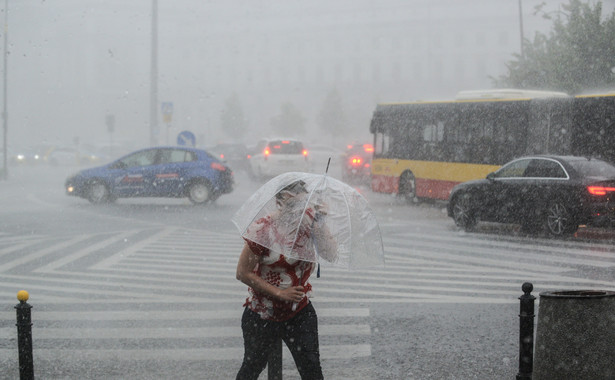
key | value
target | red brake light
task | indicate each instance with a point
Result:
(277, 146)
(285, 142)
(267, 152)
(222, 156)
(304, 152)
(355, 161)
(600, 190)
(348, 146)
(368, 147)
(218, 166)
(248, 156)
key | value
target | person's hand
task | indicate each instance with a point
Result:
(291, 294)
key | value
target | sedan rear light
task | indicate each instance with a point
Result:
(218, 166)
(305, 152)
(356, 161)
(600, 190)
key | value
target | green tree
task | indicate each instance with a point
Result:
(289, 121)
(577, 55)
(332, 118)
(232, 119)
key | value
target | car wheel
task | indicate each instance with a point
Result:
(199, 193)
(407, 187)
(463, 215)
(559, 221)
(98, 193)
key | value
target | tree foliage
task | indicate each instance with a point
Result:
(232, 119)
(332, 118)
(578, 54)
(289, 121)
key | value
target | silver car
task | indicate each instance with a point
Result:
(276, 156)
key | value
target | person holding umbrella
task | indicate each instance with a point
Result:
(278, 305)
(292, 224)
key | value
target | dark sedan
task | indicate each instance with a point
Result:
(357, 163)
(174, 172)
(551, 193)
(236, 155)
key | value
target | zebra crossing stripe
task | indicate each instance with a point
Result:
(82, 253)
(117, 257)
(327, 352)
(19, 242)
(123, 315)
(173, 332)
(6, 266)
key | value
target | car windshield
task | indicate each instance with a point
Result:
(594, 168)
(286, 147)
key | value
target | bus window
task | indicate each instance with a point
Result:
(381, 145)
(433, 132)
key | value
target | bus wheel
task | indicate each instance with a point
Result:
(463, 215)
(407, 187)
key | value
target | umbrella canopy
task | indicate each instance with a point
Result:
(312, 217)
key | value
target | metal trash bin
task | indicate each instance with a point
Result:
(575, 335)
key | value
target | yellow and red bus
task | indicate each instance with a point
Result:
(423, 149)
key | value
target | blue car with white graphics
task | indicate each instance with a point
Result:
(169, 172)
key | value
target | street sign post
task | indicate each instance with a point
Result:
(167, 116)
(167, 111)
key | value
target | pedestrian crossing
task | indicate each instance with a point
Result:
(169, 294)
(165, 294)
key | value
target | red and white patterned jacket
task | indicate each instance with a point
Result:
(279, 270)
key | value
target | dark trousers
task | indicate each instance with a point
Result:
(300, 334)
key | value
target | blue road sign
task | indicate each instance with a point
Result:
(186, 138)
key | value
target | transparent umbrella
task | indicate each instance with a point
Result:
(316, 218)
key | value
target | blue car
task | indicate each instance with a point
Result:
(170, 172)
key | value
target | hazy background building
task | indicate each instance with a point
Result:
(72, 62)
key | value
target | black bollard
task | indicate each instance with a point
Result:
(24, 336)
(526, 332)
(274, 362)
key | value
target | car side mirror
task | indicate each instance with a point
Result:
(491, 176)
